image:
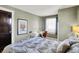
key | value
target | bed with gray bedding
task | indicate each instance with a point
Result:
(43, 45)
(33, 45)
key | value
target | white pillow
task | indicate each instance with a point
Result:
(63, 46)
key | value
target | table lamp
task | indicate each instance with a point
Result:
(75, 30)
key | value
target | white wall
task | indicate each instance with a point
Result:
(33, 22)
(66, 17)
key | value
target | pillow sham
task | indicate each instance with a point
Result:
(66, 44)
(63, 47)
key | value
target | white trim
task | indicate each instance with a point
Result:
(5, 9)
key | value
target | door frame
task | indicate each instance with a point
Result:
(12, 26)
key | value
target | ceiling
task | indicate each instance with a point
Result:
(41, 10)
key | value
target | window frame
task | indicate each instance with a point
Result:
(56, 22)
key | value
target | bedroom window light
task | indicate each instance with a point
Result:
(51, 25)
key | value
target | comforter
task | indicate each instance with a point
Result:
(33, 45)
(74, 48)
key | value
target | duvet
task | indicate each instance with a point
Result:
(33, 45)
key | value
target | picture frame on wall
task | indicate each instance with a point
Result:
(22, 26)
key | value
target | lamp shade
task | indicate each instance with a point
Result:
(75, 29)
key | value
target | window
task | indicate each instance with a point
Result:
(51, 25)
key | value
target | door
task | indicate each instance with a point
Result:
(5, 29)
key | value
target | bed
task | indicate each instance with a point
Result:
(33, 45)
(43, 45)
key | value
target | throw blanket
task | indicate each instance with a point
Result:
(33, 45)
